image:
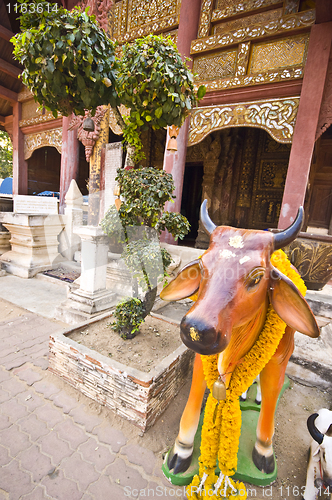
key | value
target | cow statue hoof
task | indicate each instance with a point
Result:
(179, 457)
(263, 463)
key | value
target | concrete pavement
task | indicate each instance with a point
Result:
(53, 442)
(57, 444)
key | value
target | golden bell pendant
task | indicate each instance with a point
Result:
(219, 390)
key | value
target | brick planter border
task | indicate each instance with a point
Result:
(135, 395)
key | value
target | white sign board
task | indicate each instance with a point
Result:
(35, 205)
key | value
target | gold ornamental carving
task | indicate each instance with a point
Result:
(116, 129)
(24, 95)
(282, 25)
(47, 117)
(130, 19)
(142, 12)
(228, 8)
(278, 54)
(243, 54)
(220, 65)
(39, 140)
(205, 18)
(244, 22)
(277, 117)
(249, 80)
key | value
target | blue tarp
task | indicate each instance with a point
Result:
(53, 194)
(6, 187)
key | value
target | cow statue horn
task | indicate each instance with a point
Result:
(285, 237)
(315, 433)
(208, 225)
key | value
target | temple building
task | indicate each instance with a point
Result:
(258, 145)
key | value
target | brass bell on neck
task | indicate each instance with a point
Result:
(219, 390)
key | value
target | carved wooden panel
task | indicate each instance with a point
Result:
(269, 182)
(252, 32)
(285, 53)
(263, 17)
(277, 117)
(220, 65)
(130, 19)
(46, 138)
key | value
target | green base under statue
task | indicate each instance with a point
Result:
(246, 470)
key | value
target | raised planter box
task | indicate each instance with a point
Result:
(135, 395)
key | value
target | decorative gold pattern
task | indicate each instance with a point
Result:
(271, 165)
(291, 6)
(286, 23)
(30, 109)
(242, 59)
(313, 259)
(262, 18)
(130, 19)
(46, 138)
(205, 18)
(47, 117)
(24, 95)
(220, 65)
(279, 54)
(143, 12)
(228, 8)
(272, 174)
(247, 172)
(249, 80)
(116, 129)
(277, 117)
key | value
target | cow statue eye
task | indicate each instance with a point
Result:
(254, 278)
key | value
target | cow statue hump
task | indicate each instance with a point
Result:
(235, 282)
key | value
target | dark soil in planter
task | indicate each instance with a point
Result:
(155, 340)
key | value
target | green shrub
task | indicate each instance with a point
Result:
(129, 316)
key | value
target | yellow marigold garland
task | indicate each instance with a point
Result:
(222, 421)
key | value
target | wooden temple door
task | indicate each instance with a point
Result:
(320, 185)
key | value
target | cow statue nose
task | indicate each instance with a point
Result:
(201, 337)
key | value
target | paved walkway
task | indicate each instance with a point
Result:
(52, 445)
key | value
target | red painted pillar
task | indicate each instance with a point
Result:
(69, 159)
(20, 166)
(306, 122)
(174, 163)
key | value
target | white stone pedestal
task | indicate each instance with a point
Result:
(92, 298)
(34, 243)
(4, 240)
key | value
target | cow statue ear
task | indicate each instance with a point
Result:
(185, 284)
(290, 305)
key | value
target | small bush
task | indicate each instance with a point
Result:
(129, 316)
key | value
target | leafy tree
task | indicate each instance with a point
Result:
(6, 155)
(70, 65)
(138, 225)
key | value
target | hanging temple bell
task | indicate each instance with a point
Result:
(219, 390)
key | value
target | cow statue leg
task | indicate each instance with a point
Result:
(258, 398)
(179, 457)
(272, 380)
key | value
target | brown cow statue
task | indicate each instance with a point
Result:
(235, 282)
